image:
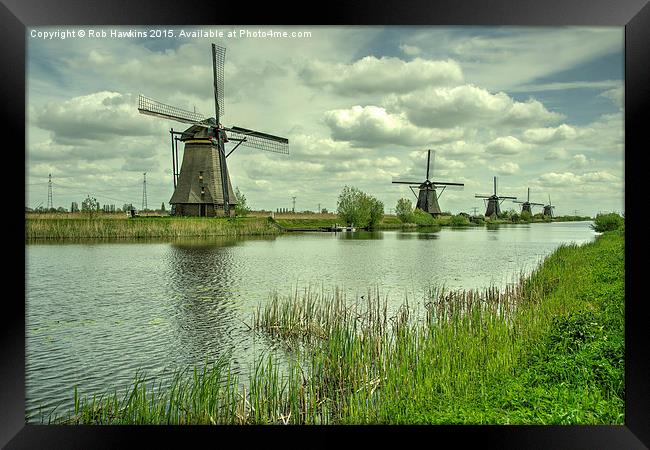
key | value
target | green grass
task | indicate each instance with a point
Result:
(145, 227)
(548, 350)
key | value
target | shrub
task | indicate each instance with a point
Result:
(459, 221)
(607, 222)
(422, 218)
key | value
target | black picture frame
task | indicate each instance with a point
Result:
(634, 15)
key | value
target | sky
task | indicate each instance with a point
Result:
(538, 107)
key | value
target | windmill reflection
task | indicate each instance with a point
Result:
(206, 278)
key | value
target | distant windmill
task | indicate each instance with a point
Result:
(427, 197)
(203, 186)
(527, 205)
(548, 209)
(493, 201)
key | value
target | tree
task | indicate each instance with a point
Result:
(241, 209)
(376, 210)
(526, 216)
(352, 208)
(355, 207)
(90, 205)
(162, 207)
(404, 209)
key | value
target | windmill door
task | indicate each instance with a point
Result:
(202, 209)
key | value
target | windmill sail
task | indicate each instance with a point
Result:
(218, 58)
(258, 140)
(152, 107)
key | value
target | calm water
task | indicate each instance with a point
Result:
(98, 311)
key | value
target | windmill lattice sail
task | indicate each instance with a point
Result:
(153, 107)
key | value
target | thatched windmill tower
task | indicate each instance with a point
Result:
(203, 187)
(427, 196)
(527, 205)
(493, 201)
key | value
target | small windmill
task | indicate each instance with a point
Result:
(527, 205)
(493, 201)
(548, 209)
(427, 196)
(202, 187)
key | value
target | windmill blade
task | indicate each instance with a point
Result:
(537, 204)
(444, 183)
(482, 195)
(152, 107)
(258, 140)
(218, 59)
(507, 198)
(430, 163)
(412, 183)
(518, 201)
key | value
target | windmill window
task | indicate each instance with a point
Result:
(201, 178)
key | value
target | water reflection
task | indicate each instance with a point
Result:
(421, 233)
(362, 234)
(203, 282)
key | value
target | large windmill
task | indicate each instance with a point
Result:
(527, 205)
(202, 187)
(548, 209)
(493, 201)
(427, 196)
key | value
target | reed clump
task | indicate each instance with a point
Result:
(145, 227)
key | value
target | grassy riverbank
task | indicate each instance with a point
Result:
(103, 225)
(546, 351)
(109, 226)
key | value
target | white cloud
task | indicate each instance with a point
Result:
(381, 75)
(509, 168)
(373, 125)
(556, 153)
(506, 145)
(551, 135)
(570, 179)
(616, 95)
(410, 50)
(94, 117)
(579, 160)
(469, 105)
(505, 60)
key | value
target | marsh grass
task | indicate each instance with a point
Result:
(546, 350)
(100, 227)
